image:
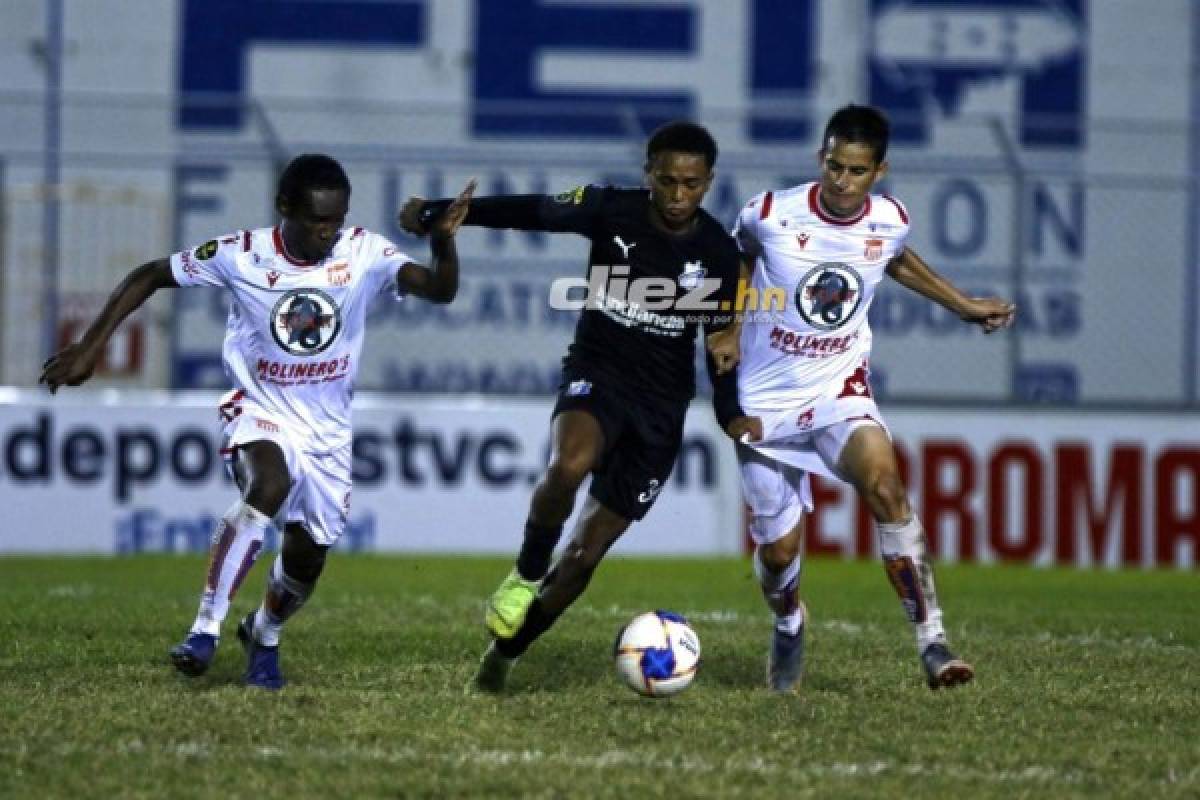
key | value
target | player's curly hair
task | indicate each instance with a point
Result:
(860, 124)
(311, 171)
(683, 137)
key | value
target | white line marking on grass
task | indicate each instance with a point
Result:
(69, 590)
(1099, 639)
(1041, 774)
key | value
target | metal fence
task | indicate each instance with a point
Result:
(1097, 246)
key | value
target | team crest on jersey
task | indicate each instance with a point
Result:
(693, 273)
(305, 321)
(207, 250)
(873, 249)
(829, 295)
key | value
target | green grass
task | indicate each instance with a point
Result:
(1087, 685)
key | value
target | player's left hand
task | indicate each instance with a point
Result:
(723, 345)
(70, 366)
(410, 216)
(990, 313)
(745, 429)
(452, 218)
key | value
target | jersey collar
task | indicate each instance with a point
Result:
(281, 249)
(814, 205)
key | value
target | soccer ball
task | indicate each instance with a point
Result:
(657, 654)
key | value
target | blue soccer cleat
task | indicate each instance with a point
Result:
(943, 668)
(262, 662)
(193, 655)
(785, 659)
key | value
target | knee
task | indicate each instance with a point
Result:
(568, 470)
(778, 555)
(267, 490)
(885, 494)
(303, 559)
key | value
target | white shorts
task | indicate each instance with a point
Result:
(319, 498)
(775, 470)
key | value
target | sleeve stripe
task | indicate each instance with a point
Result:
(899, 208)
(766, 206)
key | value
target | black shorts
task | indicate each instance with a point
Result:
(642, 438)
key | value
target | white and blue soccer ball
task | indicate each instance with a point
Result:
(657, 654)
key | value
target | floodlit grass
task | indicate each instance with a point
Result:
(1087, 685)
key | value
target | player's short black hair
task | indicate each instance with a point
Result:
(861, 124)
(311, 171)
(683, 137)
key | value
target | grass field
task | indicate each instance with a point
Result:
(1088, 685)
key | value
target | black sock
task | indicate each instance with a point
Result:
(536, 550)
(537, 622)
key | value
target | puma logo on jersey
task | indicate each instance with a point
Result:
(625, 248)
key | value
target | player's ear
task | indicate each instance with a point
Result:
(881, 171)
(281, 205)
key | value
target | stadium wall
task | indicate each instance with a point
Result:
(129, 472)
(1040, 154)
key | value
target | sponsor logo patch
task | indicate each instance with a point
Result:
(207, 250)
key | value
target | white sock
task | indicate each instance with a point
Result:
(285, 595)
(906, 559)
(235, 546)
(781, 590)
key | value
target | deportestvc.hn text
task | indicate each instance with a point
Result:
(129, 458)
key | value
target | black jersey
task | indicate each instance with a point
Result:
(618, 337)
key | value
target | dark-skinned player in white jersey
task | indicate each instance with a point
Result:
(299, 292)
(628, 375)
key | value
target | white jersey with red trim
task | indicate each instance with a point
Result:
(295, 329)
(827, 269)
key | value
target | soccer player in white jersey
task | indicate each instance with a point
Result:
(299, 298)
(803, 382)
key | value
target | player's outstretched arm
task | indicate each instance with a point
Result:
(75, 363)
(438, 282)
(911, 271)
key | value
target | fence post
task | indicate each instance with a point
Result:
(1012, 160)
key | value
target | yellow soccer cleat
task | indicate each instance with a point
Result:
(508, 605)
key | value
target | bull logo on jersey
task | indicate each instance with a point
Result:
(305, 321)
(829, 295)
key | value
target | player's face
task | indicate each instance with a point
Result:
(310, 228)
(848, 171)
(678, 183)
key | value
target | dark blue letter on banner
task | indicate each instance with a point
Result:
(511, 34)
(217, 34)
(941, 49)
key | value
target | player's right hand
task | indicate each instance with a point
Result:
(70, 366)
(410, 216)
(745, 429)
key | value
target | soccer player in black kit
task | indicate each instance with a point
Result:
(628, 375)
